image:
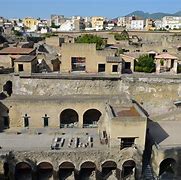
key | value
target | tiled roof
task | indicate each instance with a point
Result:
(16, 50)
(165, 56)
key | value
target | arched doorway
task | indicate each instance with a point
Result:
(91, 117)
(107, 169)
(66, 169)
(23, 171)
(8, 87)
(44, 171)
(68, 118)
(167, 167)
(128, 169)
(87, 170)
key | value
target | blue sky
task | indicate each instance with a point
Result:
(108, 8)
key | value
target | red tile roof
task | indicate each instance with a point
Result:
(16, 50)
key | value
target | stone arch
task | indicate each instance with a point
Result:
(87, 170)
(91, 116)
(8, 87)
(128, 168)
(108, 168)
(66, 169)
(44, 170)
(167, 166)
(23, 170)
(68, 118)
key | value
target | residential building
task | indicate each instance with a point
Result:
(125, 21)
(158, 24)
(137, 24)
(149, 25)
(97, 22)
(171, 22)
(31, 24)
(57, 20)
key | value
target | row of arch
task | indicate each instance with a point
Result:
(70, 116)
(45, 171)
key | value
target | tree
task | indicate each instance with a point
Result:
(89, 38)
(123, 36)
(54, 26)
(145, 64)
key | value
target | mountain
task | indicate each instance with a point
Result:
(158, 15)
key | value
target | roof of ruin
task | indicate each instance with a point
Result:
(25, 59)
(165, 56)
(16, 50)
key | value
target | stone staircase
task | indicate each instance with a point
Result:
(148, 173)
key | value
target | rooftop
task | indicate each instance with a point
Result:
(165, 56)
(129, 111)
(16, 50)
(25, 58)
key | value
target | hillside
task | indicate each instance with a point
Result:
(157, 15)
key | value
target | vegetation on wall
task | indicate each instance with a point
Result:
(89, 38)
(145, 64)
(123, 36)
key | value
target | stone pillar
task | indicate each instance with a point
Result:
(175, 65)
(158, 66)
(55, 175)
(80, 123)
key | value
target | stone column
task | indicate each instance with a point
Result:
(175, 65)
(158, 66)
(80, 123)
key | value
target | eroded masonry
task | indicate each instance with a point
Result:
(84, 135)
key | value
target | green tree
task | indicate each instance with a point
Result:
(89, 38)
(145, 64)
(123, 36)
(54, 26)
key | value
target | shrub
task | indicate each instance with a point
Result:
(89, 38)
(145, 64)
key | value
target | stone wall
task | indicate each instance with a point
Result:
(155, 94)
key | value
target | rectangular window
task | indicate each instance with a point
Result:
(26, 121)
(78, 63)
(20, 67)
(115, 68)
(101, 67)
(127, 142)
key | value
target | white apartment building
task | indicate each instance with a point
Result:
(158, 24)
(125, 21)
(137, 24)
(171, 22)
